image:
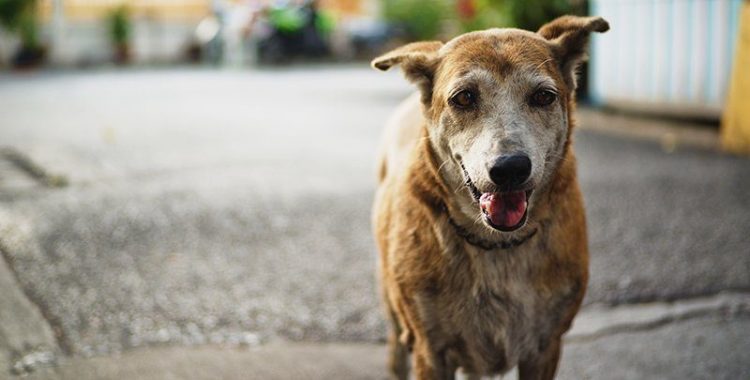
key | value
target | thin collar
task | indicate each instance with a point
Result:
(484, 244)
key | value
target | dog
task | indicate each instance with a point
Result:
(478, 215)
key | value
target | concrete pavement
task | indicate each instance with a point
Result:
(696, 339)
(209, 209)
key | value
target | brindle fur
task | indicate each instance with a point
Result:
(453, 304)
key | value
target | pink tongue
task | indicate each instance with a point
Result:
(504, 209)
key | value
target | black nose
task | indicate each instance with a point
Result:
(510, 171)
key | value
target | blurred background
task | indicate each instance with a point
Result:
(185, 186)
(77, 33)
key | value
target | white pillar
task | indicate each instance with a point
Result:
(59, 54)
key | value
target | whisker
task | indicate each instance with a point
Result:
(478, 219)
(443, 164)
(543, 63)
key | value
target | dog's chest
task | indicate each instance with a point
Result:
(494, 313)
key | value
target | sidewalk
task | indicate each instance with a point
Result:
(695, 339)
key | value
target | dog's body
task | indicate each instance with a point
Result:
(460, 293)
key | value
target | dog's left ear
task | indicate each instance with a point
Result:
(418, 61)
(569, 36)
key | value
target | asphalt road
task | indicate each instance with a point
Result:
(233, 207)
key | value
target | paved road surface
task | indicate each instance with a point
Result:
(213, 207)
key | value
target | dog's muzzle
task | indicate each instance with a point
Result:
(502, 210)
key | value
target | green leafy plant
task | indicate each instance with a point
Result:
(485, 14)
(28, 29)
(120, 29)
(523, 14)
(422, 18)
(532, 14)
(19, 16)
(425, 19)
(119, 25)
(10, 11)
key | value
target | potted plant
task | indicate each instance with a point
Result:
(19, 16)
(120, 27)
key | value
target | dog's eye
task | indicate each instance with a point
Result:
(543, 98)
(464, 99)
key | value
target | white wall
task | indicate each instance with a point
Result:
(667, 55)
(87, 42)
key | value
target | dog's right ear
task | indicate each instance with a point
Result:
(418, 61)
(569, 36)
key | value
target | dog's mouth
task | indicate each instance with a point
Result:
(504, 211)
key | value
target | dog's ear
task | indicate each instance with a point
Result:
(418, 60)
(569, 36)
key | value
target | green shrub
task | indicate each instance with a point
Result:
(10, 12)
(532, 14)
(487, 14)
(19, 16)
(523, 14)
(120, 26)
(422, 18)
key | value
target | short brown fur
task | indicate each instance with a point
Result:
(451, 303)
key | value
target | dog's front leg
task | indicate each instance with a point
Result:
(542, 366)
(398, 352)
(430, 365)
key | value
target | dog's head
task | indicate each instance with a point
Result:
(497, 104)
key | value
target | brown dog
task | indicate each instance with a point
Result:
(478, 215)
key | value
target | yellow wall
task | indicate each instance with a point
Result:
(82, 10)
(735, 128)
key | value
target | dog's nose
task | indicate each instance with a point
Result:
(511, 170)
